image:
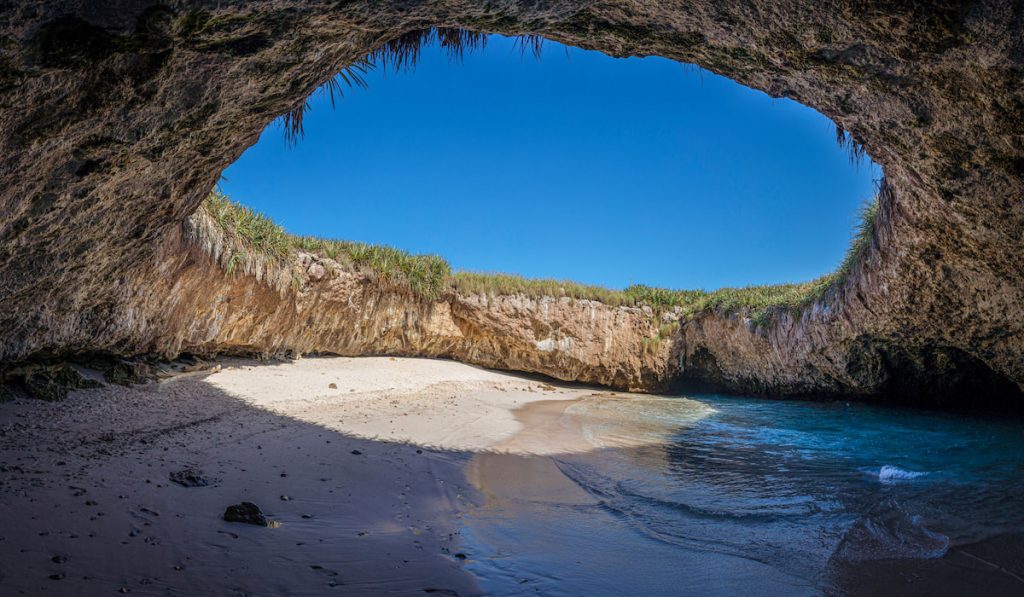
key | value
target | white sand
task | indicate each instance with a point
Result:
(450, 406)
(440, 404)
(85, 496)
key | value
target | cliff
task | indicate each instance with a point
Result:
(116, 118)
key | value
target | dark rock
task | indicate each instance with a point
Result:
(246, 512)
(59, 559)
(128, 373)
(356, 452)
(188, 477)
(50, 382)
(7, 393)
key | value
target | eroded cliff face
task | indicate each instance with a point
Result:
(189, 303)
(116, 118)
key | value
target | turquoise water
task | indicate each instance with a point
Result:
(759, 497)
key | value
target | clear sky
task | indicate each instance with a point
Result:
(577, 166)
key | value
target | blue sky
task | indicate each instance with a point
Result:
(577, 166)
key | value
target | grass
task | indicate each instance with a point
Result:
(257, 232)
(424, 276)
(429, 277)
(509, 284)
(854, 148)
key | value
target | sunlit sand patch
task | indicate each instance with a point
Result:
(452, 406)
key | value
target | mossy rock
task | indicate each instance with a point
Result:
(53, 383)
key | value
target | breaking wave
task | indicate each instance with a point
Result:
(889, 474)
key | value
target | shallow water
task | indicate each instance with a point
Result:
(729, 495)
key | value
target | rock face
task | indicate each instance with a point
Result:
(316, 306)
(116, 118)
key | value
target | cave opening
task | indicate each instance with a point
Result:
(524, 156)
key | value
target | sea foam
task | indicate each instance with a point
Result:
(889, 473)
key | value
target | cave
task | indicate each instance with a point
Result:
(117, 122)
(194, 402)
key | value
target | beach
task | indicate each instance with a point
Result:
(89, 506)
(384, 475)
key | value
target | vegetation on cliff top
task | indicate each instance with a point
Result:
(429, 276)
(422, 275)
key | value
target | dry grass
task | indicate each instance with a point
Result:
(353, 75)
(854, 148)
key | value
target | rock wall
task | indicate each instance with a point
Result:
(188, 303)
(117, 117)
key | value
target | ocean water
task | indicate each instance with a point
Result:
(751, 497)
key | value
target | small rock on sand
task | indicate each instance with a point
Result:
(188, 478)
(246, 512)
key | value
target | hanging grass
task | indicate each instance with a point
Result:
(400, 54)
(353, 75)
(854, 148)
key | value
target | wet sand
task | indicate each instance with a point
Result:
(991, 567)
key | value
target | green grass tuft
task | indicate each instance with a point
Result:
(425, 276)
(863, 234)
(256, 231)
